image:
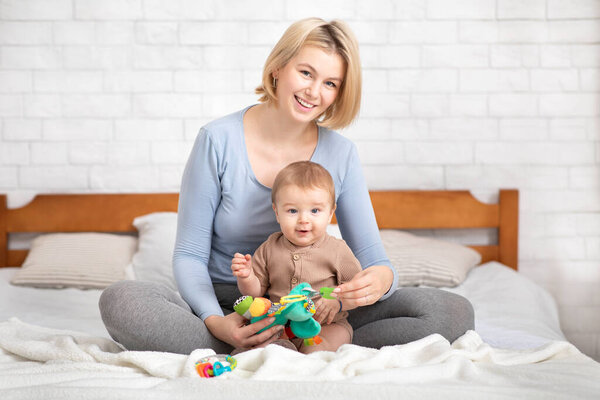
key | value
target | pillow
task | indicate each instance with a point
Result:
(78, 260)
(426, 261)
(156, 241)
(334, 230)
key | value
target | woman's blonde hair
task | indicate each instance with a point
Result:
(334, 36)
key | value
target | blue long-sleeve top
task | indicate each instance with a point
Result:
(224, 209)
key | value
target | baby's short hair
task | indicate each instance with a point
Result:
(306, 175)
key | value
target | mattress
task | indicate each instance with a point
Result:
(510, 310)
(71, 309)
(517, 351)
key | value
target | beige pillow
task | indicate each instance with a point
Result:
(426, 261)
(79, 260)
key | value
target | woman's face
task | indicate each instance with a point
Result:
(309, 83)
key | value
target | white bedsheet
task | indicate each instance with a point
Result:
(71, 309)
(510, 310)
(38, 362)
(517, 351)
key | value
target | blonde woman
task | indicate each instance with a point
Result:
(311, 85)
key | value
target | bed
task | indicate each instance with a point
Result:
(53, 343)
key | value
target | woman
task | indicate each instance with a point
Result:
(311, 84)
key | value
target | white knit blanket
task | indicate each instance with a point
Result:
(38, 362)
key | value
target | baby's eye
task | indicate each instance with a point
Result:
(292, 211)
(315, 210)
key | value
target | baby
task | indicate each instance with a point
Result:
(303, 198)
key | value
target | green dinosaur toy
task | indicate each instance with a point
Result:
(297, 308)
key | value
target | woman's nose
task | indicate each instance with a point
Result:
(312, 90)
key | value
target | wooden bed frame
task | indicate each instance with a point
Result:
(393, 210)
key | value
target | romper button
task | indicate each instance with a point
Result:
(296, 257)
(294, 280)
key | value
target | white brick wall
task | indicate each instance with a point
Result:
(470, 94)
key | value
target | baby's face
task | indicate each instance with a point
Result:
(303, 214)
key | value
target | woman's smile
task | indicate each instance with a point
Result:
(304, 103)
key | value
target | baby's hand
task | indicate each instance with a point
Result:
(241, 265)
(326, 310)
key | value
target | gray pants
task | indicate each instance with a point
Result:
(149, 316)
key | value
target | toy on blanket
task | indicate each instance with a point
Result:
(295, 311)
(215, 365)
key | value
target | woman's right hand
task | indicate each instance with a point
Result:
(232, 329)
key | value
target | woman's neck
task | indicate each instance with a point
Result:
(276, 128)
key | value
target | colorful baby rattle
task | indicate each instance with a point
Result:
(215, 365)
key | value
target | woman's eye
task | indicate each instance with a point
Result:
(331, 84)
(305, 73)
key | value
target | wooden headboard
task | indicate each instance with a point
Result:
(77, 213)
(393, 210)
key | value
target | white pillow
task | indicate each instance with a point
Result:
(425, 261)
(156, 241)
(334, 230)
(418, 260)
(80, 260)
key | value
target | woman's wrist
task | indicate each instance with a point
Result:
(388, 279)
(385, 276)
(220, 327)
(212, 322)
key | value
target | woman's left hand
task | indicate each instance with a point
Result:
(366, 287)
